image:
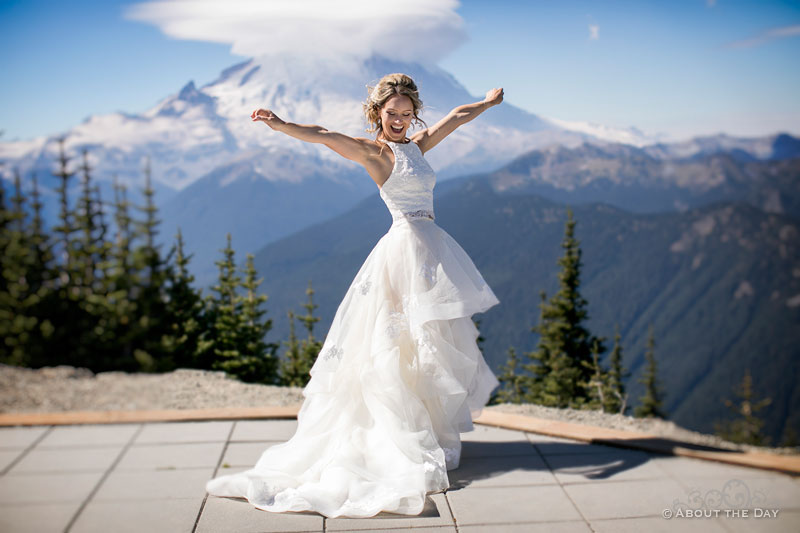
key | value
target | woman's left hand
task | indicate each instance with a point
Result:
(494, 96)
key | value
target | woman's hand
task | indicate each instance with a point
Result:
(494, 96)
(267, 117)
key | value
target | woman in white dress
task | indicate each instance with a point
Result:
(399, 376)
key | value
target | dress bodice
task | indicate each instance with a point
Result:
(408, 192)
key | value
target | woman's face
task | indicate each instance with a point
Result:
(396, 116)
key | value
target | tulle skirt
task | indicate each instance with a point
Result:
(398, 378)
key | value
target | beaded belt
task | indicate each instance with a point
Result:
(420, 213)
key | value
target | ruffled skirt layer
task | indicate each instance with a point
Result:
(398, 378)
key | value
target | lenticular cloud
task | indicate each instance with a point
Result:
(411, 30)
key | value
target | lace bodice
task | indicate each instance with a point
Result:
(408, 193)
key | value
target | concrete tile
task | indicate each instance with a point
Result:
(47, 488)
(127, 485)
(171, 456)
(228, 514)
(492, 434)
(37, 518)
(184, 432)
(436, 513)
(501, 471)
(261, 430)
(8, 457)
(244, 453)
(20, 437)
(785, 521)
(89, 435)
(531, 527)
(681, 467)
(61, 460)
(617, 465)
(658, 525)
(156, 516)
(470, 449)
(774, 492)
(507, 505)
(547, 445)
(628, 499)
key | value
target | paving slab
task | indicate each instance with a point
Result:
(171, 456)
(500, 472)
(232, 514)
(628, 498)
(20, 437)
(547, 445)
(126, 485)
(89, 436)
(37, 517)
(436, 513)
(166, 432)
(47, 488)
(155, 516)
(67, 460)
(509, 505)
(7, 458)
(246, 454)
(658, 525)
(530, 527)
(616, 465)
(261, 430)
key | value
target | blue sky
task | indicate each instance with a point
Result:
(682, 68)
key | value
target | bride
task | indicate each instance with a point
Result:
(399, 376)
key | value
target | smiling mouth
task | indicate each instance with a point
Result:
(396, 130)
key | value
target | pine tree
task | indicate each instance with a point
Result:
(15, 322)
(616, 399)
(651, 402)
(512, 383)
(300, 357)
(746, 428)
(598, 384)
(225, 307)
(184, 312)
(123, 281)
(561, 366)
(152, 322)
(258, 361)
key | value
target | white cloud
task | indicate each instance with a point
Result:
(766, 36)
(416, 30)
(594, 31)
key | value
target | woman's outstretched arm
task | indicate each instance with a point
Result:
(430, 137)
(348, 147)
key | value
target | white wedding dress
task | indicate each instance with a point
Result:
(398, 378)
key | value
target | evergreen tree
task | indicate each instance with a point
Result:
(746, 428)
(561, 366)
(184, 312)
(123, 281)
(598, 386)
(616, 400)
(225, 307)
(300, 357)
(651, 402)
(259, 362)
(16, 323)
(512, 383)
(152, 322)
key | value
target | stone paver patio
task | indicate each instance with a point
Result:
(151, 477)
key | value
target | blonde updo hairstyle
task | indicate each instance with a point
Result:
(388, 86)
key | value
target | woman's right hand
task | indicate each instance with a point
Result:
(267, 117)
